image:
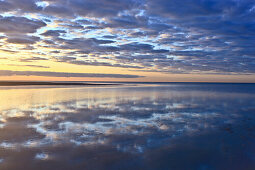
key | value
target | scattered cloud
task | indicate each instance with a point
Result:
(188, 36)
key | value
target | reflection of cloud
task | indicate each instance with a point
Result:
(42, 156)
(82, 122)
(121, 124)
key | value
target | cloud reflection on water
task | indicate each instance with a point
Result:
(130, 128)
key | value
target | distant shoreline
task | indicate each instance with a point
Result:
(16, 83)
(103, 83)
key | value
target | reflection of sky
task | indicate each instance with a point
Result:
(124, 121)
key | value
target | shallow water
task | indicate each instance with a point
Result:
(165, 126)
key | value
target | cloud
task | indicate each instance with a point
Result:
(19, 39)
(99, 8)
(59, 10)
(28, 65)
(15, 24)
(54, 33)
(73, 60)
(62, 74)
(168, 36)
(32, 59)
(23, 6)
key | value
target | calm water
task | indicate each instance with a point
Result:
(166, 126)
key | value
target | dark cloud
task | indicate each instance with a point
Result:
(18, 39)
(19, 25)
(28, 65)
(100, 8)
(23, 6)
(54, 33)
(84, 21)
(62, 74)
(59, 10)
(109, 36)
(73, 60)
(32, 59)
(186, 8)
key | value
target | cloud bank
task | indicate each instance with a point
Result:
(62, 74)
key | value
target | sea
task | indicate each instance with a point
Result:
(128, 126)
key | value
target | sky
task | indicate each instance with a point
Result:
(128, 40)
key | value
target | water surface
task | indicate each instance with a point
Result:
(144, 126)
